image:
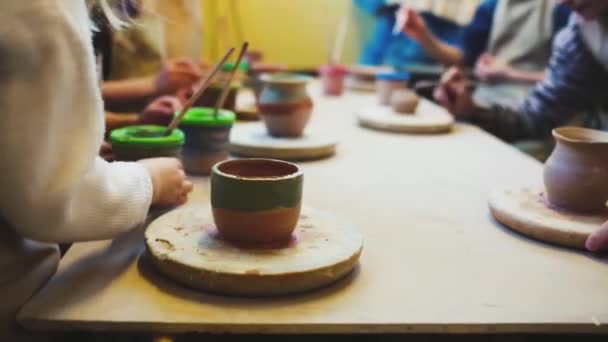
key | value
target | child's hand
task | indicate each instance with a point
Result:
(413, 24)
(160, 111)
(177, 74)
(598, 240)
(171, 188)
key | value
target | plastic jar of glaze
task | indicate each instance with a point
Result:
(147, 141)
(332, 76)
(207, 138)
(387, 82)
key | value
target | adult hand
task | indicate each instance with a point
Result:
(490, 69)
(455, 93)
(598, 240)
(177, 74)
(160, 111)
(413, 24)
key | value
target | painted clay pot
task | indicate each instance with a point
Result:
(207, 138)
(404, 101)
(576, 172)
(256, 200)
(140, 142)
(284, 104)
(386, 83)
(332, 76)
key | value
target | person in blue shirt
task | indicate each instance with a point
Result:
(489, 43)
(385, 48)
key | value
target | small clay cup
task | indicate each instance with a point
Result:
(207, 138)
(285, 105)
(332, 76)
(147, 141)
(256, 200)
(576, 173)
(388, 82)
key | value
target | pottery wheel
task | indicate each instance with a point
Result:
(524, 210)
(184, 245)
(428, 119)
(252, 140)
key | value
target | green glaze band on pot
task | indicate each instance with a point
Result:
(146, 137)
(244, 193)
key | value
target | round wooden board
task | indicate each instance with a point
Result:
(524, 210)
(252, 140)
(428, 119)
(184, 245)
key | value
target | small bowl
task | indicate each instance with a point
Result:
(256, 200)
(146, 141)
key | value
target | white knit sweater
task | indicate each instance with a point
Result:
(53, 187)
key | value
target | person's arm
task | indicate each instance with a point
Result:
(114, 120)
(490, 69)
(524, 76)
(53, 186)
(574, 83)
(415, 27)
(121, 91)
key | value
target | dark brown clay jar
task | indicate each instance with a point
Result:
(576, 173)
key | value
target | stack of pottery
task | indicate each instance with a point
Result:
(332, 77)
(207, 138)
(284, 104)
(576, 172)
(148, 141)
(387, 83)
(256, 200)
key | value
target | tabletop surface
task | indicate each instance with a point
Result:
(434, 260)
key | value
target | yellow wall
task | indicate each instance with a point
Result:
(293, 32)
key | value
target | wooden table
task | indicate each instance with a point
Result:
(434, 260)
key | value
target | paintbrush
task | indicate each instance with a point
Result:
(339, 42)
(226, 88)
(401, 21)
(178, 118)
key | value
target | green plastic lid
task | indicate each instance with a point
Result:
(228, 66)
(146, 136)
(203, 116)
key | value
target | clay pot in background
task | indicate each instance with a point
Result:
(332, 76)
(140, 142)
(256, 200)
(404, 101)
(576, 173)
(207, 138)
(284, 104)
(386, 83)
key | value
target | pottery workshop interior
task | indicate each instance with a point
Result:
(308, 170)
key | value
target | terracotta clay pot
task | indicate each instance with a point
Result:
(284, 104)
(256, 200)
(146, 141)
(332, 76)
(576, 173)
(404, 101)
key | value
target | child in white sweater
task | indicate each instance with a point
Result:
(53, 187)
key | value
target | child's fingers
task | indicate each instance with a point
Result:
(598, 240)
